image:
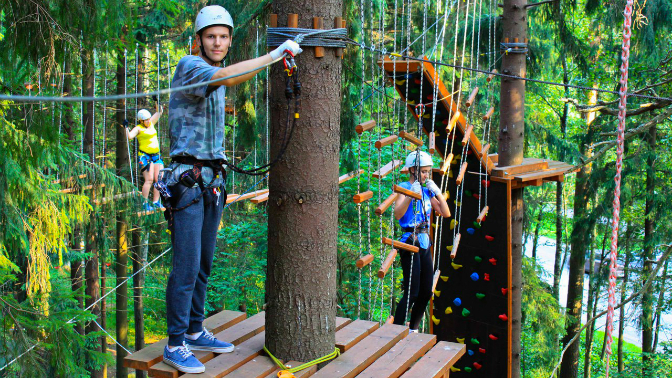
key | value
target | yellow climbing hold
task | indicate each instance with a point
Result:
(411, 102)
(455, 266)
(454, 369)
(400, 82)
(437, 293)
(444, 278)
(449, 310)
(450, 174)
(453, 223)
(458, 203)
(446, 195)
(461, 341)
(450, 248)
(435, 320)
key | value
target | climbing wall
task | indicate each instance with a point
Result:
(471, 303)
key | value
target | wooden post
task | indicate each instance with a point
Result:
(472, 97)
(273, 20)
(386, 141)
(318, 23)
(406, 192)
(453, 121)
(361, 197)
(293, 20)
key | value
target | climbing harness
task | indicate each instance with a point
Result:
(289, 372)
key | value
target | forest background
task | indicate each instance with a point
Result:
(64, 245)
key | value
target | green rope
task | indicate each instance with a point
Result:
(330, 356)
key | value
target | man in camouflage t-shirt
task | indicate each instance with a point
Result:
(196, 121)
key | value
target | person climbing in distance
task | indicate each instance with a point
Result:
(195, 180)
(414, 218)
(149, 154)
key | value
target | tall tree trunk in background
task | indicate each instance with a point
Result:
(659, 308)
(592, 276)
(535, 241)
(103, 290)
(580, 241)
(648, 256)
(122, 226)
(92, 268)
(139, 260)
(624, 287)
(77, 282)
(559, 201)
(303, 202)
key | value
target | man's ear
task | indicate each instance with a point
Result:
(198, 40)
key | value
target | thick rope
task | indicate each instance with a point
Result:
(625, 55)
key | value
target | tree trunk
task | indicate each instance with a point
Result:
(103, 310)
(648, 256)
(511, 147)
(580, 240)
(659, 308)
(77, 280)
(139, 260)
(122, 228)
(535, 241)
(559, 201)
(303, 203)
(589, 331)
(624, 287)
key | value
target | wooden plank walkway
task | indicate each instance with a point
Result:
(368, 350)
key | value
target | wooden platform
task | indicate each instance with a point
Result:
(368, 350)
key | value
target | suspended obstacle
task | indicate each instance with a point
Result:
(472, 302)
(367, 350)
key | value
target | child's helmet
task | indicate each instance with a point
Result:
(425, 159)
(144, 115)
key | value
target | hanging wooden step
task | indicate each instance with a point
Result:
(364, 261)
(389, 260)
(361, 197)
(456, 244)
(460, 176)
(432, 143)
(406, 192)
(472, 98)
(482, 215)
(386, 169)
(437, 274)
(411, 138)
(349, 175)
(446, 164)
(387, 203)
(489, 114)
(467, 135)
(453, 121)
(238, 197)
(365, 126)
(260, 198)
(399, 245)
(491, 76)
(386, 141)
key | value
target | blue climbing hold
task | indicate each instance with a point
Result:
(471, 352)
(470, 231)
(457, 302)
(474, 276)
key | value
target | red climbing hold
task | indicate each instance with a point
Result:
(489, 238)
(417, 81)
(503, 317)
(477, 365)
(430, 97)
(493, 261)
(493, 337)
(477, 196)
(486, 183)
(481, 350)
(486, 276)
(469, 152)
(505, 291)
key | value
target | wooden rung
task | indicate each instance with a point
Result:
(472, 97)
(456, 243)
(364, 261)
(273, 20)
(386, 169)
(489, 114)
(389, 260)
(453, 121)
(484, 150)
(432, 143)
(491, 76)
(460, 177)
(68, 179)
(467, 135)
(482, 215)
(86, 187)
(446, 164)
(259, 199)
(349, 175)
(387, 203)
(437, 274)
(386, 141)
(365, 126)
(361, 197)
(318, 23)
(400, 245)
(411, 138)
(406, 192)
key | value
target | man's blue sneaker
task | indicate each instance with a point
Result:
(148, 207)
(207, 341)
(157, 204)
(183, 360)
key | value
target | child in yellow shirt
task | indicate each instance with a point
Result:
(149, 154)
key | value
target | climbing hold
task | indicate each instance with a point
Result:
(481, 350)
(478, 259)
(454, 369)
(493, 261)
(477, 196)
(477, 225)
(467, 369)
(400, 82)
(446, 195)
(444, 278)
(417, 81)
(410, 102)
(449, 310)
(461, 341)
(486, 183)
(480, 295)
(458, 203)
(450, 174)
(450, 248)
(475, 341)
(489, 238)
(471, 352)
(457, 302)
(477, 365)
(430, 97)
(455, 266)
(469, 152)
(468, 193)
(503, 317)
(493, 337)
(486, 276)
(415, 90)
(505, 291)
(465, 312)
(470, 231)
(435, 320)
(427, 116)
(474, 276)
(437, 293)
(453, 223)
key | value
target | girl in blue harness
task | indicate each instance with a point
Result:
(414, 218)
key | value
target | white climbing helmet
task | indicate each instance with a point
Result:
(425, 159)
(144, 115)
(212, 15)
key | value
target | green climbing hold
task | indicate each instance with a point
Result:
(468, 193)
(414, 90)
(476, 224)
(467, 369)
(478, 259)
(480, 295)
(475, 341)
(465, 312)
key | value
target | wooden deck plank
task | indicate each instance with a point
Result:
(353, 333)
(226, 363)
(342, 322)
(364, 353)
(437, 362)
(397, 360)
(153, 354)
(259, 367)
(541, 175)
(242, 332)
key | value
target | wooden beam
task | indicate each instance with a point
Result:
(399, 245)
(237, 197)
(453, 121)
(365, 126)
(364, 261)
(406, 192)
(386, 169)
(338, 23)
(389, 260)
(491, 76)
(411, 138)
(226, 363)
(482, 215)
(318, 23)
(293, 20)
(387, 203)
(361, 197)
(259, 367)
(273, 20)
(386, 141)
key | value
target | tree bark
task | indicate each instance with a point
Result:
(77, 281)
(122, 159)
(661, 303)
(535, 241)
(559, 201)
(303, 201)
(624, 287)
(589, 331)
(648, 256)
(139, 260)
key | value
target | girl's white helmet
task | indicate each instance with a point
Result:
(212, 15)
(144, 115)
(425, 159)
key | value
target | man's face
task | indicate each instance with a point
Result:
(216, 41)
